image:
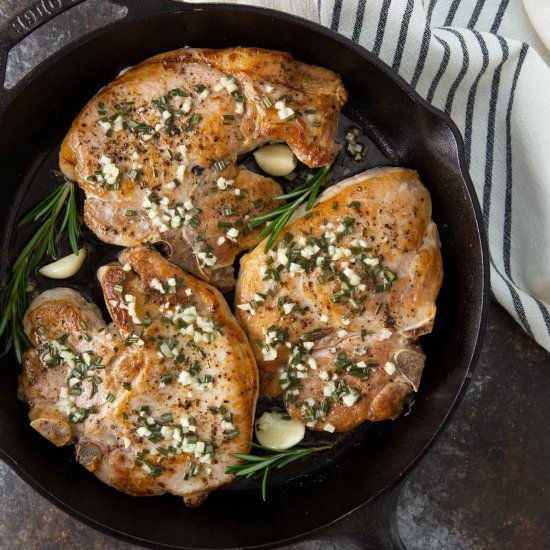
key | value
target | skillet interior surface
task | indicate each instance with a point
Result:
(401, 130)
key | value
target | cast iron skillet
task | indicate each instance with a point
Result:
(403, 130)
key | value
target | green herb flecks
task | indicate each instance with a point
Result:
(278, 218)
(56, 214)
(255, 465)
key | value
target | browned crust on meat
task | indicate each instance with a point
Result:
(312, 146)
(394, 210)
(211, 140)
(131, 374)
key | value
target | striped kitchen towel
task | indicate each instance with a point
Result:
(477, 60)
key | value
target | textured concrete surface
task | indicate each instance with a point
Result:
(483, 485)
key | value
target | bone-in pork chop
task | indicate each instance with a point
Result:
(159, 400)
(156, 150)
(334, 310)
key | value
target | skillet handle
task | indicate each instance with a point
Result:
(26, 21)
(373, 527)
(38, 12)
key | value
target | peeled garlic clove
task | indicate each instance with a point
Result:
(64, 267)
(276, 160)
(278, 432)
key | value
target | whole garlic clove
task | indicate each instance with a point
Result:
(276, 160)
(64, 267)
(277, 431)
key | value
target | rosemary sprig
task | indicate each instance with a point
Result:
(279, 217)
(49, 213)
(253, 465)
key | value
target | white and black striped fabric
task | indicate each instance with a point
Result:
(472, 59)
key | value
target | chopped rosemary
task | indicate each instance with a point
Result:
(56, 214)
(253, 465)
(194, 120)
(166, 378)
(279, 217)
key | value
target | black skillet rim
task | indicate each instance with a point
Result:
(399, 81)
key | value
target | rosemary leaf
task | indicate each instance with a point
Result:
(43, 207)
(259, 220)
(43, 242)
(253, 465)
(279, 217)
(264, 484)
(315, 188)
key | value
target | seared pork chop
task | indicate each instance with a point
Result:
(334, 310)
(156, 151)
(158, 401)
